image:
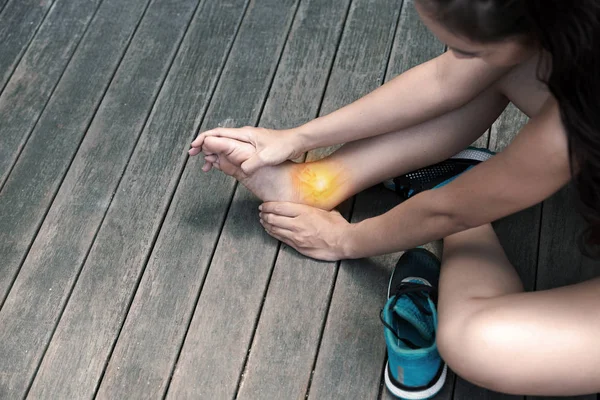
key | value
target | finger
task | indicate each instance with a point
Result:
(232, 133)
(285, 209)
(287, 242)
(288, 223)
(281, 232)
(194, 151)
(252, 164)
(211, 158)
(207, 151)
(207, 166)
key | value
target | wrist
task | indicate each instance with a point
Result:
(303, 137)
(350, 240)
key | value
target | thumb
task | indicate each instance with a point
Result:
(252, 164)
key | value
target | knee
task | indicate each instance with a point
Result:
(477, 347)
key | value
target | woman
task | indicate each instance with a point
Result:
(541, 55)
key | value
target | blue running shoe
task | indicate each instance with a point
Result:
(414, 370)
(438, 175)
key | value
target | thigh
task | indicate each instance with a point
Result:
(538, 343)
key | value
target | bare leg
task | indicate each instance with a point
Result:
(361, 164)
(496, 336)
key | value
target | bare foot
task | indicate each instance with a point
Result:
(316, 184)
(267, 183)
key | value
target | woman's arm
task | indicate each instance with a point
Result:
(422, 93)
(531, 169)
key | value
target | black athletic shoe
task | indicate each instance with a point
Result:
(438, 175)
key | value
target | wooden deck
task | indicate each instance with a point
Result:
(127, 273)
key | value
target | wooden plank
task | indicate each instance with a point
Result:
(2, 5)
(560, 261)
(352, 352)
(284, 349)
(215, 347)
(113, 269)
(290, 325)
(69, 228)
(467, 391)
(140, 357)
(21, 104)
(34, 180)
(35, 78)
(360, 287)
(18, 24)
(586, 397)
(24, 319)
(99, 302)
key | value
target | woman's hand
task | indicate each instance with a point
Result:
(272, 146)
(311, 231)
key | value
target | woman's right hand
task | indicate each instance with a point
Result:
(272, 146)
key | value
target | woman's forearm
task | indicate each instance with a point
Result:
(415, 222)
(391, 107)
(420, 94)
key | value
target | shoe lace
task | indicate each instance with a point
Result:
(415, 292)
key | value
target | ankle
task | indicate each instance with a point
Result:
(318, 184)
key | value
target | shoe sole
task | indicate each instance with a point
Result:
(469, 154)
(404, 269)
(416, 395)
(474, 154)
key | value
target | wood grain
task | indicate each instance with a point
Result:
(32, 308)
(18, 24)
(35, 78)
(287, 334)
(141, 357)
(25, 197)
(352, 351)
(100, 300)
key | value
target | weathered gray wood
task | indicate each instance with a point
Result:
(2, 5)
(508, 125)
(22, 202)
(215, 348)
(35, 78)
(291, 321)
(18, 24)
(279, 349)
(467, 391)
(561, 263)
(77, 211)
(25, 320)
(414, 43)
(353, 344)
(100, 300)
(141, 357)
(587, 397)
(105, 292)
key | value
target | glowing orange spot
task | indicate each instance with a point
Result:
(316, 183)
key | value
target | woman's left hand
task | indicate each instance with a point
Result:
(311, 231)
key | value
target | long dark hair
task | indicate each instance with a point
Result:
(569, 31)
